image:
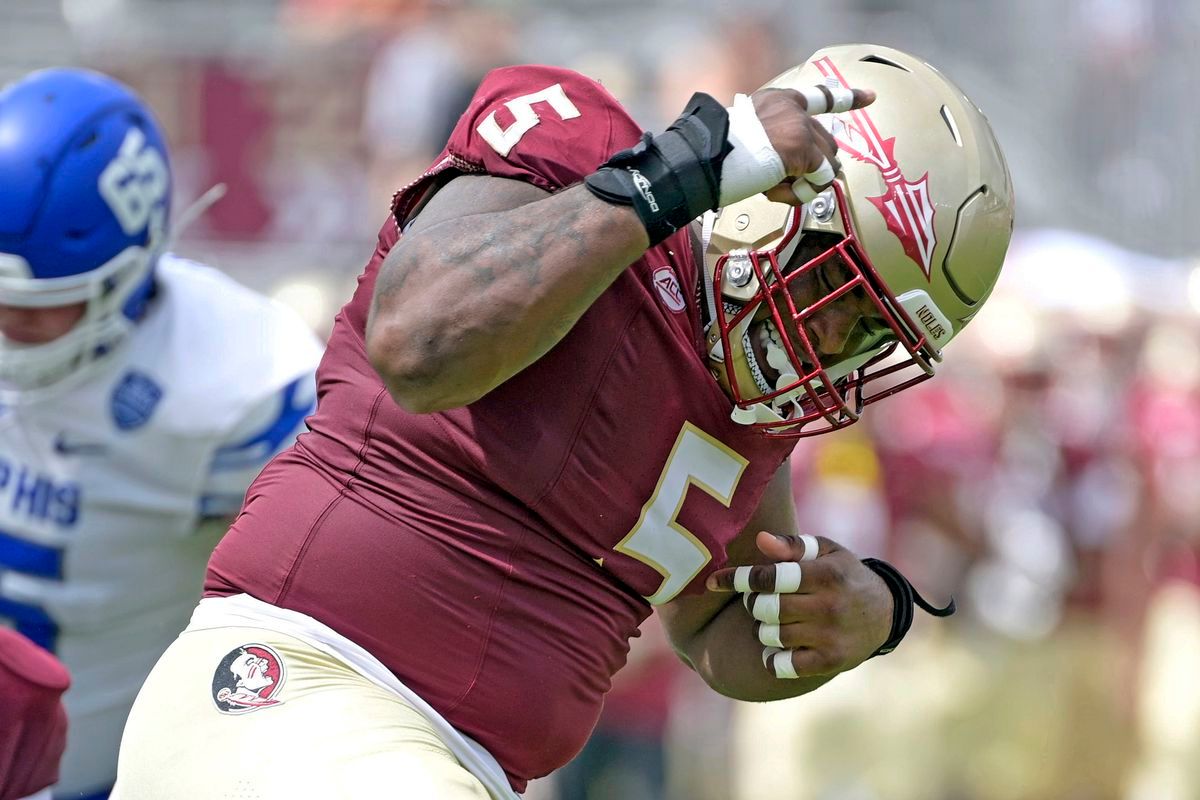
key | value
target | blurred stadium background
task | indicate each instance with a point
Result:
(1050, 479)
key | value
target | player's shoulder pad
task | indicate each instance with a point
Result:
(24, 666)
(546, 125)
(219, 347)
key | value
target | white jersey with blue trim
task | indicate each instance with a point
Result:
(105, 489)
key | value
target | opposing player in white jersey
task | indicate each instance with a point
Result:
(139, 395)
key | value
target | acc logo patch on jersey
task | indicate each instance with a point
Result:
(134, 400)
(247, 679)
(668, 289)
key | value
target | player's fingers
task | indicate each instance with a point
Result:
(792, 634)
(811, 547)
(812, 661)
(782, 193)
(824, 148)
(823, 175)
(862, 97)
(778, 547)
(782, 577)
(805, 192)
(789, 663)
(763, 607)
(762, 577)
(770, 634)
(779, 663)
(822, 99)
(792, 608)
(823, 136)
(770, 578)
(818, 178)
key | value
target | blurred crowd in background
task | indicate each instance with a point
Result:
(1049, 478)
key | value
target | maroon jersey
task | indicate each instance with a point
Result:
(33, 723)
(497, 557)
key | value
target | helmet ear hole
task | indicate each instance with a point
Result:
(988, 232)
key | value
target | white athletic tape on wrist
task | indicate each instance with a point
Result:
(815, 99)
(768, 634)
(752, 166)
(766, 608)
(787, 577)
(811, 547)
(741, 580)
(804, 192)
(822, 175)
(781, 664)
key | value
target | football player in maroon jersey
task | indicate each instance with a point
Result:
(554, 405)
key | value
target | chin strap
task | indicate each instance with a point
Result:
(904, 597)
(708, 308)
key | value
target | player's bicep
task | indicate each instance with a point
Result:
(469, 195)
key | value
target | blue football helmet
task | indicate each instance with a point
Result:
(83, 217)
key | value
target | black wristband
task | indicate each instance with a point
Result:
(674, 177)
(904, 597)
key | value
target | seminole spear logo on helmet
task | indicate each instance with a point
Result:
(905, 206)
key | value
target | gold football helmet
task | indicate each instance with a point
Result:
(912, 232)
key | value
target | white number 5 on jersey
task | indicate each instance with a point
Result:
(525, 118)
(658, 540)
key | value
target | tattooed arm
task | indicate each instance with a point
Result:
(490, 275)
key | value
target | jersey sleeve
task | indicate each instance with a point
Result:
(268, 427)
(544, 125)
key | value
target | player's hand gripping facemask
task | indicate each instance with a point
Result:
(901, 251)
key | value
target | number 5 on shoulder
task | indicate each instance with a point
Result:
(658, 540)
(525, 118)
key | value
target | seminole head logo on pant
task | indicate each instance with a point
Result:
(247, 679)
